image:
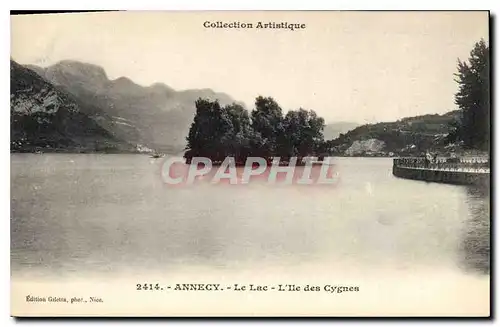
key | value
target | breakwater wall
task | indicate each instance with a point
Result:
(449, 174)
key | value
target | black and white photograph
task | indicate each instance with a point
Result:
(250, 164)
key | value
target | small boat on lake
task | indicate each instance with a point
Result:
(157, 155)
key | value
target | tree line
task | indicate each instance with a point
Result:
(231, 131)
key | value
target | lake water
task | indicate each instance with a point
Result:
(112, 215)
(98, 225)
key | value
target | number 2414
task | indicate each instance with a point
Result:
(148, 287)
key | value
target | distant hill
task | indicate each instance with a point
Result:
(333, 130)
(412, 135)
(45, 118)
(156, 116)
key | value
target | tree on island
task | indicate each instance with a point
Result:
(267, 121)
(473, 99)
(218, 132)
(237, 141)
(303, 132)
(207, 133)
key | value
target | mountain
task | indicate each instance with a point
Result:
(45, 118)
(412, 136)
(156, 116)
(333, 130)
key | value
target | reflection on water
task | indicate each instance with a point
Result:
(113, 213)
(475, 249)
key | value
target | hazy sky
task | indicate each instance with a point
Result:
(348, 66)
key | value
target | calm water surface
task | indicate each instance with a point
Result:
(113, 214)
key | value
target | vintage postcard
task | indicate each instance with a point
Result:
(250, 163)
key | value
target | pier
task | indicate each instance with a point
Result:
(459, 171)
